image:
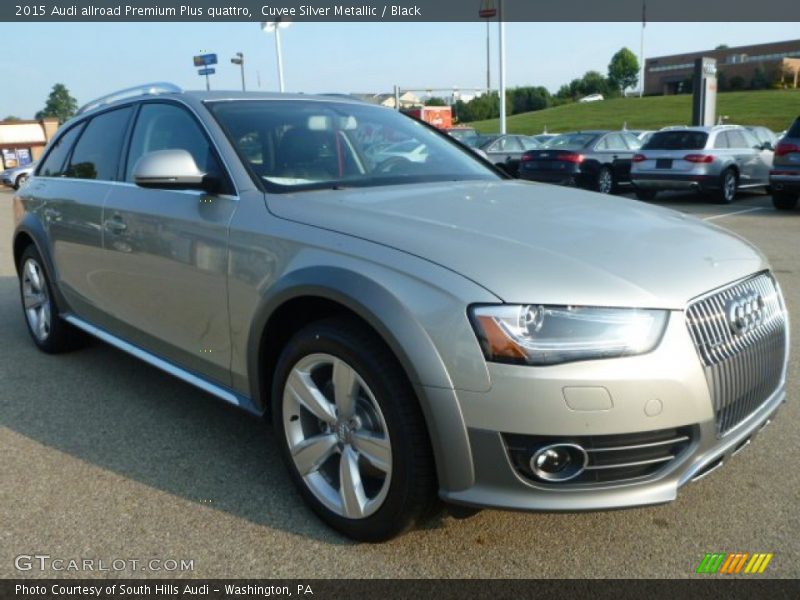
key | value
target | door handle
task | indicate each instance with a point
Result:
(116, 225)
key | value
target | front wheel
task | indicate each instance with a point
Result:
(20, 181)
(352, 432)
(784, 201)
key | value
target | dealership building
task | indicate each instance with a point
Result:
(22, 142)
(779, 61)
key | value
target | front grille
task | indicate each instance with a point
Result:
(612, 458)
(740, 335)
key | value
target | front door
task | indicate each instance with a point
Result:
(167, 251)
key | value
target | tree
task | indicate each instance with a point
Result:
(623, 70)
(737, 83)
(435, 101)
(11, 118)
(722, 47)
(593, 82)
(60, 105)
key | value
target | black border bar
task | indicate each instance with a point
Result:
(399, 10)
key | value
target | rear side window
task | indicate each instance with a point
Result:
(53, 165)
(677, 140)
(170, 127)
(615, 142)
(96, 155)
(721, 141)
(736, 139)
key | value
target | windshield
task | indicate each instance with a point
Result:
(299, 144)
(676, 140)
(571, 140)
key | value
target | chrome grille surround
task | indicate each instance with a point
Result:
(740, 332)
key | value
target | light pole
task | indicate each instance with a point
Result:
(502, 75)
(275, 27)
(239, 60)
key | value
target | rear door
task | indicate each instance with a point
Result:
(747, 157)
(73, 208)
(167, 250)
(762, 156)
(619, 155)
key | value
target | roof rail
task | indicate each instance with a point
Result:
(145, 89)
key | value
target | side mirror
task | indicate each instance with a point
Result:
(171, 169)
(767, 146)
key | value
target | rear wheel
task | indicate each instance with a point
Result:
(605, 181)
(727, 187)
(784, 201)
(49, 332)
(352, 432)
(645, 194)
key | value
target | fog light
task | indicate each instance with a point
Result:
(559, 462)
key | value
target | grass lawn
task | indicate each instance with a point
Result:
(775, 109)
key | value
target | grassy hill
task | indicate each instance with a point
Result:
(773, 108)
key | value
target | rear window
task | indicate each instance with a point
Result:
(794, 130)
(677, 140)
(572, 140)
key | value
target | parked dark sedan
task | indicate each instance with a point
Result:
(505, 151)
(597, 160)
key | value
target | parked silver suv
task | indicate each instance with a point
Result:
(411, 327)
(717, 160)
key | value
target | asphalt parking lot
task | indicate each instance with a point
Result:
(105, 457)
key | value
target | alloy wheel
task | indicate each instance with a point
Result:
(337, 436)
(729, 186)
(36, 300)
(605, 181)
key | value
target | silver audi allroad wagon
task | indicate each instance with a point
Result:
(417, 326)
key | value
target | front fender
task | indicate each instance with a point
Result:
(399, 327)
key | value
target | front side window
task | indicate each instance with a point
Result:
(96, 155)
(162, 126)
(298, 144)
(53, 165)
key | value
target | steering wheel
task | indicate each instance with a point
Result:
(395, 164)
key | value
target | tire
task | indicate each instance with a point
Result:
(369, 476)
(728, 183)
(49, 332)
(784, 201)
(20, 181)
(645, 194)
(605, 183)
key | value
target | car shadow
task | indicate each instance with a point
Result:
(111, 410)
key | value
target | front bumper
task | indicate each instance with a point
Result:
(498, 484)
(661, 391)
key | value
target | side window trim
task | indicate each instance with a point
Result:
(223, 165)
(67, 157)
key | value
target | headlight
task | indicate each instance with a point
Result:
(547, 335)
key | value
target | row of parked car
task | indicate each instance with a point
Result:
(716, 161)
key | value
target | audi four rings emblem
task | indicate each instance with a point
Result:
(745, 313)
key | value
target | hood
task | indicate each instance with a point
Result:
(537, 243)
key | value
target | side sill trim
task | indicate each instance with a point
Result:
(214, 389)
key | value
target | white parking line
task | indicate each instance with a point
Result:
(736, 212)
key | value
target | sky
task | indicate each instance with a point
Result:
(93, 59)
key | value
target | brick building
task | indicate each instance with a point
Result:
(777, 60)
